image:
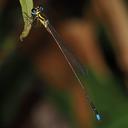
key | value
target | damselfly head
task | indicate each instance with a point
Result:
(37, 10)
(34, 12)
(41, 8)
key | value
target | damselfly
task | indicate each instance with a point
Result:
(77, 68)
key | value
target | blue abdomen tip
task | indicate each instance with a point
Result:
(98, 117)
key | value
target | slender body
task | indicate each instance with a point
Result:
(77, 68)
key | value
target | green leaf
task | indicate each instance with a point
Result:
(27, 6)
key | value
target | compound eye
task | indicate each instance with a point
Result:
(33, 12)
(41, 8)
